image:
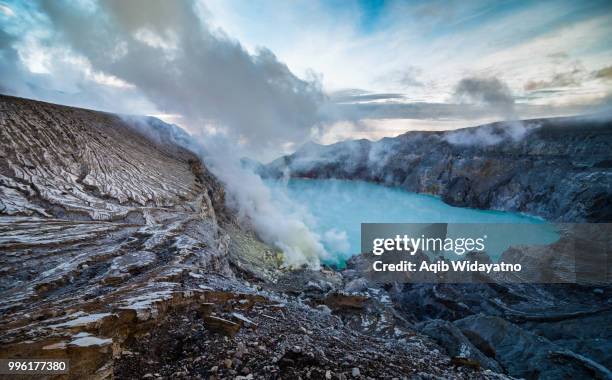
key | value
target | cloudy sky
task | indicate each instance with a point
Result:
(274, 74)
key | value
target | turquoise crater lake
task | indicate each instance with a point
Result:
(338, 207)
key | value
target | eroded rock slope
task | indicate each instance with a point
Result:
(98, 221)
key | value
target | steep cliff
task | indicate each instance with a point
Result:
(99, 220)
(559, 169)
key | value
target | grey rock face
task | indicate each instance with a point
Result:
(530, 330)
(559, 169)
(99, 223)
(525, 354)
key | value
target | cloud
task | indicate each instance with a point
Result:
(6, 10)
(490, 92)
(173, 59)
(9, 70)
(51, 74)
(605, 73)
(190, 69)
(356, 96)
(573, 77)
(403, 78)
(558, 56)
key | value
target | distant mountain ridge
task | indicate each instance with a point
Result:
(558, 168)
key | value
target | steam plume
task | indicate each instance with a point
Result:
(168, 52)
(222, 92)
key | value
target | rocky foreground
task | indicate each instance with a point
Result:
(117, 251)
(559, 168)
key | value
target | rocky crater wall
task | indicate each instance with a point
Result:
(559, 169)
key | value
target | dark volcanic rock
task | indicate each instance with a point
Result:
(506, 321)
(556, 168)
(564, 326)
(290, 340)
(456, 344)
(525, 354)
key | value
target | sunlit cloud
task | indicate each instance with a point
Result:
(275, 74)
(6, 10)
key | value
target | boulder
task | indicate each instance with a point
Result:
(456, 344)
(520, 352)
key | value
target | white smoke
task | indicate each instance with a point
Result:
(274, 217)
(169, 52)
(491, 134)
(223, 93)
(495, 95)
(268, 211)
(337, 240)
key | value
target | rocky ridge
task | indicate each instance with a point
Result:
(559, 168)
